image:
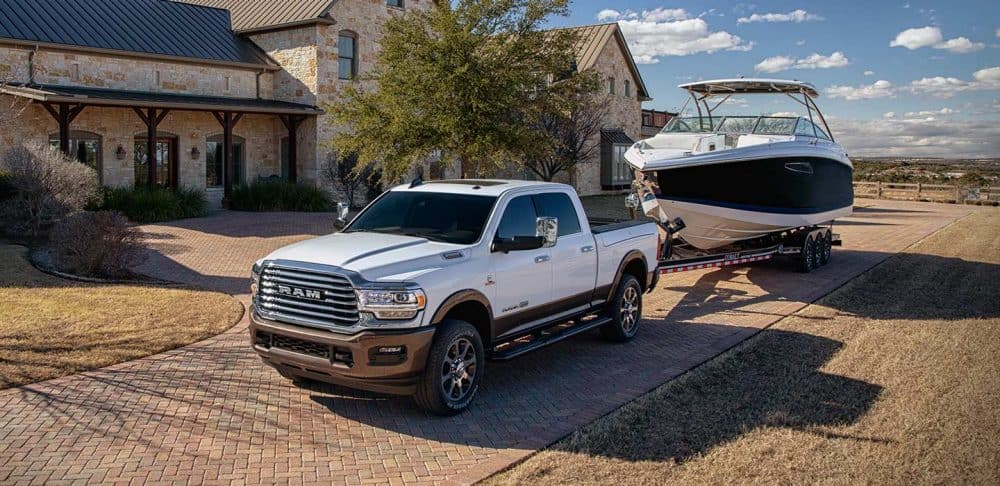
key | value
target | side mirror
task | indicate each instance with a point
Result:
(342, 210)
(517, 243)
(547, 228)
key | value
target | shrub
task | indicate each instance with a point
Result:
(144, 205)
(97, 244)
(279, 196)
(44, 186)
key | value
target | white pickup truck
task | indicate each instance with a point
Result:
(434, 278)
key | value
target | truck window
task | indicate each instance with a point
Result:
(518, 219)
(558, 205)
(449, 218)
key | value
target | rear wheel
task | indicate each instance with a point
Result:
(625, 311)
(455, 366)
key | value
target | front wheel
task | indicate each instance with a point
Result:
(455, 366)
(625, 311)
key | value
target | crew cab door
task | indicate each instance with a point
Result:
(574, 258)
(522, 279)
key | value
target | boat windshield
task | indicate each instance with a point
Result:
(762, 125)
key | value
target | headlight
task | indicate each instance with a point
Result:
(391, 304)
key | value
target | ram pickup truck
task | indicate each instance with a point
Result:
(434, 278)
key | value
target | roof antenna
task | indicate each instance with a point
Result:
(419, 179)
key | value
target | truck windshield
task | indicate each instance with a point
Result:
(448, 218)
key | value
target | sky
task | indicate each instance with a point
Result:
(896, 78)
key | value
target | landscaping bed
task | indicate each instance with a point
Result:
(51, 327)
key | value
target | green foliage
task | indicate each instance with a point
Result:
(279, 196)
(144, 205)
(468, 78)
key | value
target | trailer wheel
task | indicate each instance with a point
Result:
(808, 260)
(825, 247)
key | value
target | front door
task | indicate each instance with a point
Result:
(523, 278)
(166, 162)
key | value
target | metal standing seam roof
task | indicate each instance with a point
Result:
(141, 99)
(154, 27)
(616, 137)
(590, 43)
(251, 15)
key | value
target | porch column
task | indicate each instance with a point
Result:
(228, 120)
(152, 118)
(292, 123)
(64, 114)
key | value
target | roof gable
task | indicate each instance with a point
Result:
(591, 42)
(151, 27)
(253, 15)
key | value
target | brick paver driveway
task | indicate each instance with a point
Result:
(211, 412)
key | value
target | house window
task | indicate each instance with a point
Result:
(615, 171)
(611, 86)
(347, 46)
(628, 89)
(215, 169)
(85, 147)
(647, 119)
(394, 3)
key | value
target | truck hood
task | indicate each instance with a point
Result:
(376, 256)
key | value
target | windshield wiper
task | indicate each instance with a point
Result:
(426, 236)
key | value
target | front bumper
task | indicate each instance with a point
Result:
(385, 361)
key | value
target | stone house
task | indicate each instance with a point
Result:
(208, 94)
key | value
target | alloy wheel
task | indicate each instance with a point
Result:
(459, 370)
(629, 312)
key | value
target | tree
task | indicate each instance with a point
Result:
(466, 78)
(343, 172)
(572, 132)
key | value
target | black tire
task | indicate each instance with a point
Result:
(807, 262)
(826, 250)
(455, 367)
(625, 311)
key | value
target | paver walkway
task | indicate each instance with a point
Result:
(212, 412)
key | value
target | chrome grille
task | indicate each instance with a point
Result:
(308, 297)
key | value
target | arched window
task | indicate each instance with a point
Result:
(347, 54)
(628, 89)
(611, 86)
(83, 146)
(215, 169)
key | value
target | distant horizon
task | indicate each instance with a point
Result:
(913, 78)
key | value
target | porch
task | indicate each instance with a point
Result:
(169, 140)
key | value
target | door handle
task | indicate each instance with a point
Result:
(542, 258)
(587, 249)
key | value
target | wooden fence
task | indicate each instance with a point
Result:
(927, 192)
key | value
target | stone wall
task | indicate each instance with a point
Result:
(624, 113)
(67, 68)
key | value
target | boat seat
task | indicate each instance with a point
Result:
(754, 139)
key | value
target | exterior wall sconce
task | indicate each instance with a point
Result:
(120, 153)
(195, 153)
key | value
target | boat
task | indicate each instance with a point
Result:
(720, 180)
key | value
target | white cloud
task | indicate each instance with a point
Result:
(917, 38)
(812, 61)
(998, 32)
(796, 16)
(800, 42)
(608, 15)
(889, 114)
(785, 114)
(926, 137)
(869, 73)
(946, 87)
(660, 32)
(931, 113)
(878, 89)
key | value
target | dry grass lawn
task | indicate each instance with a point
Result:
(894, 378)
(50, 327)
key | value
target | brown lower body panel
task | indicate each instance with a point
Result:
(380, 361)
